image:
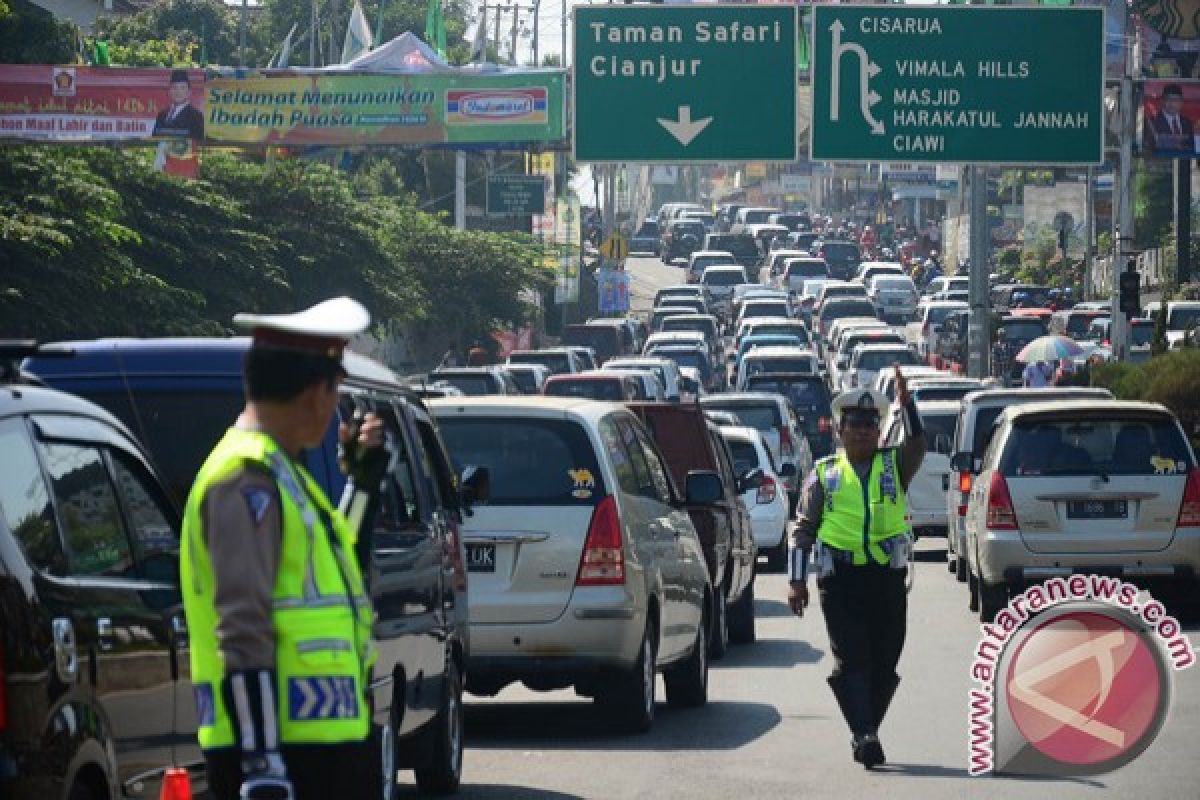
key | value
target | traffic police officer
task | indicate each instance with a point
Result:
(853, 507)
(278, 616)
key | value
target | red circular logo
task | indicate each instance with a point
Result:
(1084, 688)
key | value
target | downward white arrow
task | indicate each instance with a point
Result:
(684, 129)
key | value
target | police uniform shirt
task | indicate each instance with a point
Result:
(244, 534)
(810, 507)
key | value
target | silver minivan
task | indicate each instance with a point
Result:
(585, 569)
(1083, 486)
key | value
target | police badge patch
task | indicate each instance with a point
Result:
(258, 501)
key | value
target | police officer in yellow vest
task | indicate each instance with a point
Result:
(852, 508)
(277, 612)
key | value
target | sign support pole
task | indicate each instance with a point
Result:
(1089, 236)
(1120, 325)
(460, 189)
(978, 336)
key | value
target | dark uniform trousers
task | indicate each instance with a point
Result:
(347, 771)
(865, 613)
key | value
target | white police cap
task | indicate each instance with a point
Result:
(324, 328)
(865, 399)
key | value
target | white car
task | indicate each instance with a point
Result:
(755, 307)
(652, 387)
(946, 283)
(775, 262)
(798, 273)
(924, 330)
(839, 360)
(570, 583)
(1182, 315)
(720, 281)
(701, 260)
(871, 359)
(664, 368)
(1083, 486)
(772, 358)
(675, 337)
(767, 499)
(954, 388)
(896, 296)
(927, 490)
(772, 416)
(885, 381)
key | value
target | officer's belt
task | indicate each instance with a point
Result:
(847, 556)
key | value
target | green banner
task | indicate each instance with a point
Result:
(323, 109)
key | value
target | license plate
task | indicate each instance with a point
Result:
(481, 558)
(1097, 509)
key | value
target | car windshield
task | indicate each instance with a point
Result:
(724, 277)
(685, 228)
(845, 291)
(595, 389)
(840, 250)
(938, 314)
(842, 310)
(758, 217)
(1142, 335)
(763, 416)
(1182, 319)
(927, 393)
(876, 360)
(684, 357)
(803, 241)
(1078, 324)
(745, 456)
(647, 230)
(803, 268)
(780, 329)
(470, 385)
(699, 264)
(803, 395)
(1024, 331)
(525, 380)
(941, 424)
(894, 284)
(532, 462)
(558, 363)
(1095, 446)
(779, 364)
(759, 309)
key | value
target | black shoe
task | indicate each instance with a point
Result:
(868, 751)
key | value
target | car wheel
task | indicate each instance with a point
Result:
(687, 683)
(960, 569)
(444, 772)
(777, 557)
(993, 597)
(741, 617)
(951, 562)
(718, 641)
(972, 591)
(631, 696)
(80, 791)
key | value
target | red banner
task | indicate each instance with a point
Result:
(1170, 118)
(73, 104)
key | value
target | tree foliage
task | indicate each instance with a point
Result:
(31, 35)
(97, 243)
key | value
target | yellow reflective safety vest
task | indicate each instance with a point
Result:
(857, 519)
(322, 616)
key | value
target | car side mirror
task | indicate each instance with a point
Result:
(751, 480)
(787, 471)
(703, 488)
(960, 462)
(476, 486)
(941, 444)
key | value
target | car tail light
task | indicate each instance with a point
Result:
(603, 561)
(1000, 513)
(785, 443)
(824, 425)
(1189, 509)
(767, 491)
(964, 489)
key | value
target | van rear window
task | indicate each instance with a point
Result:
(557, 362)
(1095, 446)
(532, 462)
(592, 388)
(763, 416)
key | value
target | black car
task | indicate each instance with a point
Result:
(92, 642)
(646, 238)
(843, 257)
(808, 395)
(180, 395)
(680, 239)
(742, 246)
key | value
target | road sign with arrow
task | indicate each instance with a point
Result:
(685, 83)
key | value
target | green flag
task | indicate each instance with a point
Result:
(100, 56)
(435, 27)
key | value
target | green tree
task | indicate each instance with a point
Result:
(31, 35)
(1153, 202)
(206, 29)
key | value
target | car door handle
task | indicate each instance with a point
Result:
(105, 637)
(66, 656)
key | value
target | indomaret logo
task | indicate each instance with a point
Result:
(1074, 679)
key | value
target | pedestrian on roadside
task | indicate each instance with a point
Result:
(450, 359)
(862, 548)
(1037, 375)
(477, 356)
(278, 618)
(1002, 355)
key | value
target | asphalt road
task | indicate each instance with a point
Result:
(771, 728)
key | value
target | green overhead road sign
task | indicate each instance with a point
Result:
(685, 84)
(516, 194)
(982, 85)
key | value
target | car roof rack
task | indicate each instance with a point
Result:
(14, 351)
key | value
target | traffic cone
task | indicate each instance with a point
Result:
(176, 785)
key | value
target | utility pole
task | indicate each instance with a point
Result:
(1089, 235)
(496, 37)
(537, 5)
(1183, 220)
(1120, 325)
(512, 52)
(460, 189)
(312, 35)
(978, 335)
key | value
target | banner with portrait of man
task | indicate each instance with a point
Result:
(1170, 114)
